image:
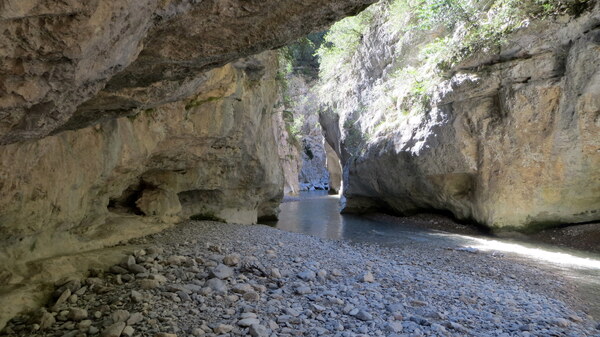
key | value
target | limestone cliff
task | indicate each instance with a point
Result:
(509, 137)
(70, 64)
(120, 117)
(288, 151)
(210, 156)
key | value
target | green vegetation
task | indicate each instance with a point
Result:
(432, 38)
(341, 42)
(300, 57)
(297, 60)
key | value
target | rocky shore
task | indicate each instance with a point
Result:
(215, 279)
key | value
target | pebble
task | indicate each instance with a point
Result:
(246, 322)
(275, 273)
(78, 314)
(303, 290)
(217, 285)
(257, 330)
(114, 330)
(222, 272)
(363, 315)
(231, 260)
(307, 275)
(119, 316)
(368, 277)
(223, 328)
(291, 293)
(149, 284)
(251, 296)
(61, 300)
(46, 320)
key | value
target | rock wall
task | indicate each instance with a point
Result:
(289, 155)
(510, 140)
(110, 110)
(210, 156)
(314, 174)
(71, 64)
(118, 118)
(334, 168)
(302, 111)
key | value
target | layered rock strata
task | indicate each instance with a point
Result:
(71, 64)
(510, 140)
(118, 118)
(210, 156)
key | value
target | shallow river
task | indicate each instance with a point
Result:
(317, 214)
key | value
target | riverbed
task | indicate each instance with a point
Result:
(317, 213)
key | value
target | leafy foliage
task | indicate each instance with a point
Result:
(341, 42)
(300, 57)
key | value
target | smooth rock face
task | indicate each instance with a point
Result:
(109, 110)
(334, 168)
(212, 155)
(68, 65)
(289, 156)
(511, 140)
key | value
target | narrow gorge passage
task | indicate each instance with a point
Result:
(266, 168)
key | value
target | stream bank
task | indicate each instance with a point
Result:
(215, 279)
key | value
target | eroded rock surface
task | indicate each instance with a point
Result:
(68, 65)
(510, 140)
(118, 118)
(210, 156)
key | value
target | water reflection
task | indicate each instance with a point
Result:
(317, 214)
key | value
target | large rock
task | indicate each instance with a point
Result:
(71, 64)
(511, 140)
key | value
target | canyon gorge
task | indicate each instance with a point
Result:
(125, 120)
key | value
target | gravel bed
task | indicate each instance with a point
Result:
(212, 279)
